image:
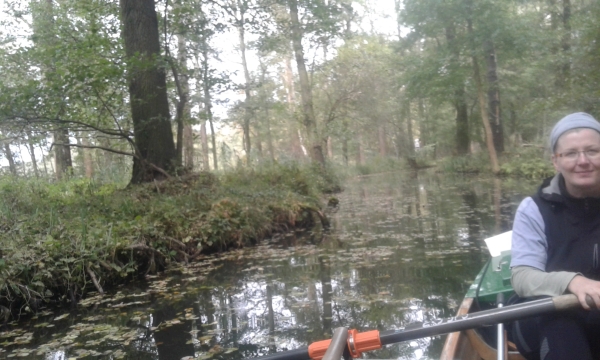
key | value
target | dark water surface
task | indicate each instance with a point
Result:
(402, 248)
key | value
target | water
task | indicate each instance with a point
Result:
(401, 249)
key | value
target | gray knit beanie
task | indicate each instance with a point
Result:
(570, 122)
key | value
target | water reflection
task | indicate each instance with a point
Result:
(402, 249)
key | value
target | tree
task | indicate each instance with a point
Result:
(308, 112)
(154, 146)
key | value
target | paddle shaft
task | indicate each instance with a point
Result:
(481, 318)
(457, 323)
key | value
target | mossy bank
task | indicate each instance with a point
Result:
(60, 241)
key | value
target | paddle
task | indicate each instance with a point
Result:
(371, 340)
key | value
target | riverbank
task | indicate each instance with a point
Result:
(60, 241)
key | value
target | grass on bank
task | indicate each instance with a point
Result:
(59, 241)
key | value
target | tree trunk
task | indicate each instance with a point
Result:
(209, 116)
(460, 103)
(410, 141)
(45, 39)
(462, 122)
(482, 108)
(31, 148)
(155, 148)
(107, 156)
(87, 157)
(10, 158)
(360, 158)
(188, 147)
(269, 135)
(63, 162)
(204, 145)
(310, 122)
(187, 137)
(44, 161)
(345, 151)
(248, 100)
(182, 117)
(565, 68)
(206, 85)
(382, 141)
(494, 97)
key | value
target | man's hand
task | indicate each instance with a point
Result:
(586, 290)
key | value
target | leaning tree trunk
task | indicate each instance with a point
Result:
(310, 121)
(10, 158)
(155, 148)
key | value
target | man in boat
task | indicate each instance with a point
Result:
(555, 246)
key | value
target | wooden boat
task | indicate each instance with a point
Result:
(477, 344)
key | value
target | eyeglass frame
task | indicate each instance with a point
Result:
(596, 156)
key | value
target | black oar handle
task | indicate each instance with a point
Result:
(445, 326)
(296, 354)
(479, 319)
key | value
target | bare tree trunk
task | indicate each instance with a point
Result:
(482, 108)
(206, 81)
(566, 44)
(410, 142)
(87, 157)
(329, 148)
(382, 141)
(288, 80)
(63, 162)
(44, 160)
(460, 103)
(45, 38)
(31, 149)
(153, 136)
(187, 137)
(248, 100)
(494, 97)
(182, 117)
(360, 157)
(204, 144)
(209, 116)
(269, 135)
(310, 122)
(10, 158)
(296, 147)
(188, 146)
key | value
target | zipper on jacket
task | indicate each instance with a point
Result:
(595, 256)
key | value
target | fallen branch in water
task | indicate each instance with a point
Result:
(94, 280)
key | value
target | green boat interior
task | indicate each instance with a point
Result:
(492, 280)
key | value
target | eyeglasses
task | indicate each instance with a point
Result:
(572, 155)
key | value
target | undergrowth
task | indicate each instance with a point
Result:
(59, 241)
(528, 162)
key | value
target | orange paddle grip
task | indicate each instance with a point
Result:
(357, 344)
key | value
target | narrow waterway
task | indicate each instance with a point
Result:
(402, 248)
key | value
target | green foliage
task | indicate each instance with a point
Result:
(473, 163)
(530, 163)
(380, 165)
(57, 237)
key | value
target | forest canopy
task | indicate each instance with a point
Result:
(140, 90)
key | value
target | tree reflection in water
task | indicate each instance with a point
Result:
(401, 250)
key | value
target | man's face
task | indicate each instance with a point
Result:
(577, 158)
